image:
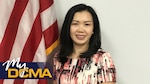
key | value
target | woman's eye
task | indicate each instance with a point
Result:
(87, 24)
(74, 24)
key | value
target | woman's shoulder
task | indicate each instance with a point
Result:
(104, 58)
(102, 54)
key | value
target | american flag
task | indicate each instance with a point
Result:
(28, 29)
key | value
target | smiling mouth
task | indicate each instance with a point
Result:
(80, 37)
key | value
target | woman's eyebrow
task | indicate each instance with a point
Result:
(84, 21)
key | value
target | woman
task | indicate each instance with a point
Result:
(80, 59)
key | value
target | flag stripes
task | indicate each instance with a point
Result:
(48, 36)
(24, 28)
(5, 15)
(44, 4)
(10, 33)
(28, 29)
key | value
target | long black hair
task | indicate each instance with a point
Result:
(66, 43)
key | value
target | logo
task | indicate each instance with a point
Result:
(24, 70)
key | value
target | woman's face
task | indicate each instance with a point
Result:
(81, 28)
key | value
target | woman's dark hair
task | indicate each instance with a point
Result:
(66, 43)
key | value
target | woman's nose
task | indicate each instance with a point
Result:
(81, 28)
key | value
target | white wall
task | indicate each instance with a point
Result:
(125, 26)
